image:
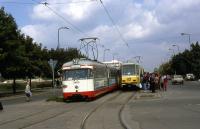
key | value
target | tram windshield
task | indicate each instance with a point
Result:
(75, 74)
(130, 70)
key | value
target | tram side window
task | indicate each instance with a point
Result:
(90, 74)
(100, 73)
(113, 73)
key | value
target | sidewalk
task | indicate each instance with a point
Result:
(147, 94)
(7, 95)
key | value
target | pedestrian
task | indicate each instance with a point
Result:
(156, 80)
(145, 81)
(152, 83)
(162, 82)
(28, 91)
(165, 82)
(57, 83)
(1, 106)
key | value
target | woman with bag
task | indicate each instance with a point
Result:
(28, 91)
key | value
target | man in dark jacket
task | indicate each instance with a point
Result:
(152, 83)
(1, 106)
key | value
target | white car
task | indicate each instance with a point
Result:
(189, 76)
(177, 79)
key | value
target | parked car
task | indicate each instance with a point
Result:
(177, 79)
(190, 76)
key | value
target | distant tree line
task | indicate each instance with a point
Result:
(21, 57)
(186, 62)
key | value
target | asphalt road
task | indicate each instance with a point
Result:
(178, 108)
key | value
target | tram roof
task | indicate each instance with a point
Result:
(82, 61)
(129, 63)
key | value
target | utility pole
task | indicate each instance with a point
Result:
(58, 46)
(53, 63)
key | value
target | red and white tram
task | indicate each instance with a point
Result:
(88, 79)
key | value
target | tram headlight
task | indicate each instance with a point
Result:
(76, 87)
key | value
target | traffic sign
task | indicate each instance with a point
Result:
(52, 63)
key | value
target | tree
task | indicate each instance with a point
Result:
(10, 58)
(187, 61)
(165, 68)
(21, 57)
(64, 55)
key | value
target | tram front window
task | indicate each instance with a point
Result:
(77, 74)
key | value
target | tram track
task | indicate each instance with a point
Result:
(61, 113)
(41, 117)
(94, 109)
(39, 113)
(29, 121)
(98, 107)
(48, 118)
(122, 121)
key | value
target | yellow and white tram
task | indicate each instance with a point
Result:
(88, 79)
(131, 73)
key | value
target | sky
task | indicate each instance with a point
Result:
(150, 29)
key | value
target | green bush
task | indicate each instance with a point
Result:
(43, 85)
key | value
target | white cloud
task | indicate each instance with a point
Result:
(170, 11)
(70, 10)
(145, 25)
(40, 12)
(135, 31)
(30, 30)
(78, 12)
(148, 26)
(41, 33)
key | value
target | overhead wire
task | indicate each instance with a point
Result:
(72, 2)
(50, 3)
(115, 26)
(112, 21)
(20, 3)
(46, 4)
(63, 18)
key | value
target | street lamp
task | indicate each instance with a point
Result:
(186, 34)
(104, 53)
(174, 45)
(58, 47)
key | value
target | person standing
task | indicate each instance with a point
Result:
(1, 106)
(156, 80)
(28, 91)
(145, 81)
(162, 82)
(152, 83)
(165, 81)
